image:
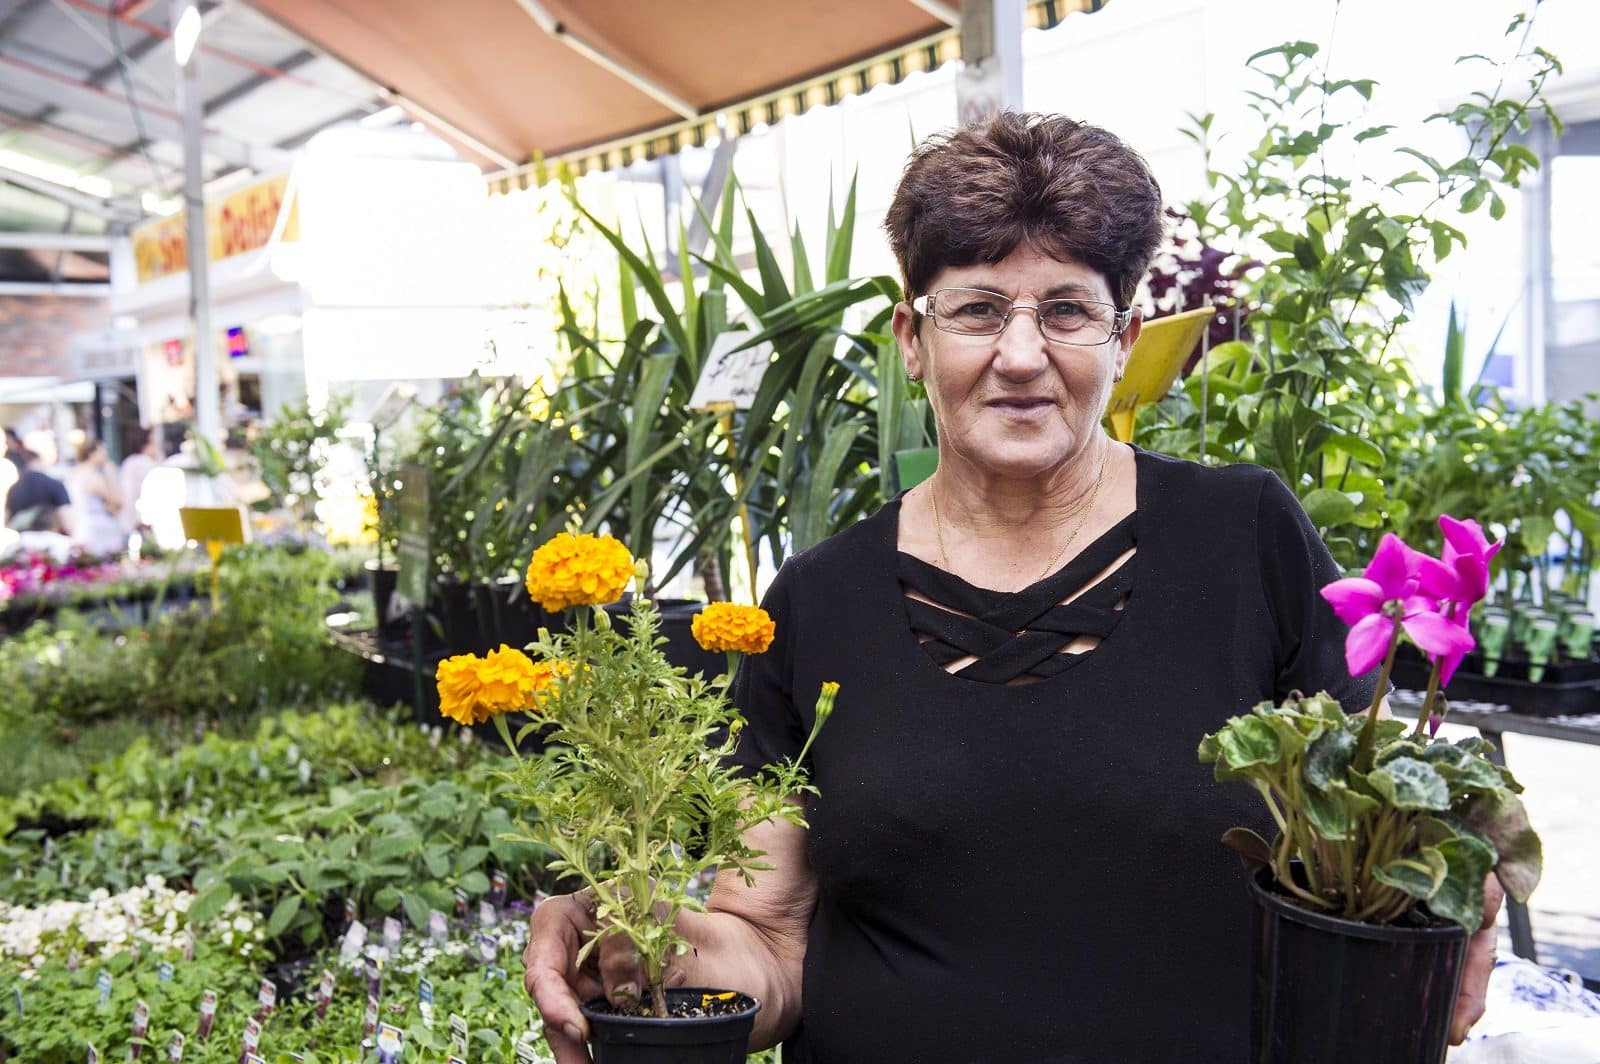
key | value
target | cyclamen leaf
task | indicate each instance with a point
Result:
(1407, 783)
(1328, 758)
(1460, 893)
(1418, 876)
(1502, 817)
(1248, 741)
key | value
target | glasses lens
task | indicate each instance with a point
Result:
(970, 311)
(1076, 321)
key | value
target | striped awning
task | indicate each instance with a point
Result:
(518, 84)
(889, 68)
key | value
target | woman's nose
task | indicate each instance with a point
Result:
(1021, 349)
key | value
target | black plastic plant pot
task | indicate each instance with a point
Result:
(720, 1037)
(1334, 991)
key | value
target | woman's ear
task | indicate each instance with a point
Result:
(905, 333)
(1126, 341)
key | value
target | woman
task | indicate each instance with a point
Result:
(1013, 854)
(96, 499)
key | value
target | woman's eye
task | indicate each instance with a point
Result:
(1066, 312)
(977, 309)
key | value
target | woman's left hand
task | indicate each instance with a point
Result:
(1480, 962)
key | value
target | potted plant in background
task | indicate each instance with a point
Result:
(1386, 833)
(631, 794)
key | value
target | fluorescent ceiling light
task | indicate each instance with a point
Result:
(154, 204)
(186, 35)
(64, 176)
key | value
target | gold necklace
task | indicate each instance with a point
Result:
(1083, 517)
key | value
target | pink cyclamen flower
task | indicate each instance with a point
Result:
(1386, 593)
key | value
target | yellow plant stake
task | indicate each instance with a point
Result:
(216, 527)
(1157, 358)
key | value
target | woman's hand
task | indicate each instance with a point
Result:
(556, 932)
(1480, 962)
(557, 983)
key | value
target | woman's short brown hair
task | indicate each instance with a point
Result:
(1066, 188)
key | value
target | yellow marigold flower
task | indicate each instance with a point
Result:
(584, 570)
(726, 626)
(545, 675)
(473, 689)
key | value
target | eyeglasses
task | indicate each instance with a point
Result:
(974, 312)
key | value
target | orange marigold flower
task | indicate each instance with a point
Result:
(473, 689)
(726, 626)
(584, 570)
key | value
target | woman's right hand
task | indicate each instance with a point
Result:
(557, 983)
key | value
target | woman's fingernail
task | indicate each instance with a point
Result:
(572, 1032)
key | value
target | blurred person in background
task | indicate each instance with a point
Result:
(96, 499)
(37, 502)
(144, 457)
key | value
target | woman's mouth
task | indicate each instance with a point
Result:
(1021, 406)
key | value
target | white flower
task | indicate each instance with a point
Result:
(242, 923)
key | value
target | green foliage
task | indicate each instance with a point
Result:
(1345, 257)
(1379, 820)
(291, 453)
(266, 644)
(633, 793)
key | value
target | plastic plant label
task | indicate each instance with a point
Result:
(305, 773)
(141, 1027)
(350, 913)
(391, 935)
(486, 914)
(93, 1056)
(391, 1041)
(355, 940)
(370, 1019)
(175, 1047)
(438, 929)
(251, 1058)
(208, 1014)
(458, 1034)
(497, 888)
(251, 1040)
(293, 753)
(188, 945)
(374, 978)
(461, 905)
(324, 993)
(102, 983)
(526, 1053)
(165, 972)
(493, 972)
(16, 996)
(488, 948)
(453, 1059)
(425, 991)
(267, 998)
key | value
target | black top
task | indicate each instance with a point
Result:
(34, 499)
(1031, 871)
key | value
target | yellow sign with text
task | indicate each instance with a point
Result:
(241, 221)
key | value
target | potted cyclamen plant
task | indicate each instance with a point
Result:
(633, 795)
(1386, 833)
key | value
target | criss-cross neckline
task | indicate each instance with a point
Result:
(1010, 611)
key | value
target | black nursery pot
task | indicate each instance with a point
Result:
(1333, 991)
(720, 1039)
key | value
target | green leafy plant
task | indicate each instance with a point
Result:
(291, 455)
(1345, 254)
(1375, 821)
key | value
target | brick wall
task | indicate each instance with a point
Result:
(36, 333)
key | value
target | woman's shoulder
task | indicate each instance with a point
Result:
(866, 544)
(1187, 482)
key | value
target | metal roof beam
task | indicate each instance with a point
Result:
(20, 12)
(599, 57)
(71, 197)
(80, 290)
(56, 241)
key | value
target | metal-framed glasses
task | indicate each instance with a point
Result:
(974, 312)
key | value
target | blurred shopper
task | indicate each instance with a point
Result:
(144, 457)
(96, 499)
(37, 502)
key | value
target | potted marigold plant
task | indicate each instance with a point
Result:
(632, 794)
(1386, 833)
